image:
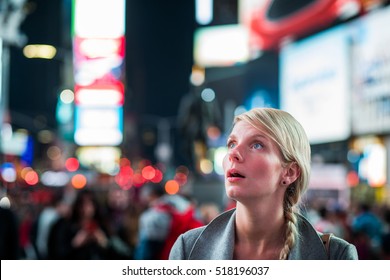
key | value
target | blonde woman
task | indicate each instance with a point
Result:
(267, 169)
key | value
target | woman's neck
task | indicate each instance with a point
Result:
(259, 233)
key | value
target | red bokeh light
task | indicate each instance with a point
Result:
(72, 164)
(148, 172)
(31, 178)
(158, 176)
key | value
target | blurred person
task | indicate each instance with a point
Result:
(9, 235)
(326, 222)
(123, 215)
(367, 230)
(267, 169)
(311, 210)
(47, 217)
(385, 240)
(83, 235)
(208, 212)
(165, 218)
(27, 217)
(153, 224)
(341, 219)
(126, 234)
(195, 117)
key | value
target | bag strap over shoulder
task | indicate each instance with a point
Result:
(325, 237)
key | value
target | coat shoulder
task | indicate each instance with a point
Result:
(213, 227)
(194, 239)
(340, 249)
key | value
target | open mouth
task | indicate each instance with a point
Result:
(235, 174)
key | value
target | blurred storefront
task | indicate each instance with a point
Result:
(368, 176)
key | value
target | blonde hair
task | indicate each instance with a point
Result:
(294, 148)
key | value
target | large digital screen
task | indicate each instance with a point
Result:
(98, 51)
(222, 45)
(99, 18)
(315, 84)
(371, 75)
(98, 126)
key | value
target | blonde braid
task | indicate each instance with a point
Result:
(291, 222)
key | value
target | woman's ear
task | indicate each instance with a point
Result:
(291, 174)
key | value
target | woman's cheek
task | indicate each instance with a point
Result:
(225, 162)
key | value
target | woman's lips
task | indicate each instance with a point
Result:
(234, 179)
(234, 175)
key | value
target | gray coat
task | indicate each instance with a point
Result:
(216, 242)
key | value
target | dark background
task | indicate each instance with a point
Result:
(159, 38)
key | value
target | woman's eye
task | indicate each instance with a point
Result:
(230, 145)
(257, 146)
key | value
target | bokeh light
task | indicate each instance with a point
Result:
(148, 172)
(79, 181)
(31, 178)
(172, 187)
(72, 164)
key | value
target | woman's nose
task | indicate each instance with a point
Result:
(234, 155)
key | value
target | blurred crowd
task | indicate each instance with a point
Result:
(142, 223)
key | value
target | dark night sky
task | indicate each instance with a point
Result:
(159, 54)
(34, 83)
(159, 38)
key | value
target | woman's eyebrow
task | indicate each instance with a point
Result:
(254, 136)
(260, 136)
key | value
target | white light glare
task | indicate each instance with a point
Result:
(5, 203)
(208, 95)
(9, 174)
(204, 11)
(67, 96)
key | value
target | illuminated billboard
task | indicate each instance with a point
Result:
(337, 81)
(371, 75)
(315, 85)
(210, 45)
(99, 51)
(98, 126)
(99, 18)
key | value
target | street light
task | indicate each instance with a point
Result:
(40, 51)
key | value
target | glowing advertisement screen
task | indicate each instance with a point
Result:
(98, 126)
(98, 59)
(99, 50)
(99, 18)
(371, 75)
(210, 45)
(100, 95)
(315, 87)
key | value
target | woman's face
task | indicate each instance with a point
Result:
(253, 167)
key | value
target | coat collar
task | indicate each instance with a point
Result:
(217, 240)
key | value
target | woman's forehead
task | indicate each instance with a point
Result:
(244, 126)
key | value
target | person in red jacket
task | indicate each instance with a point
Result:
(166, 217)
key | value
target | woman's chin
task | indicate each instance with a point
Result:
(234, 192)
